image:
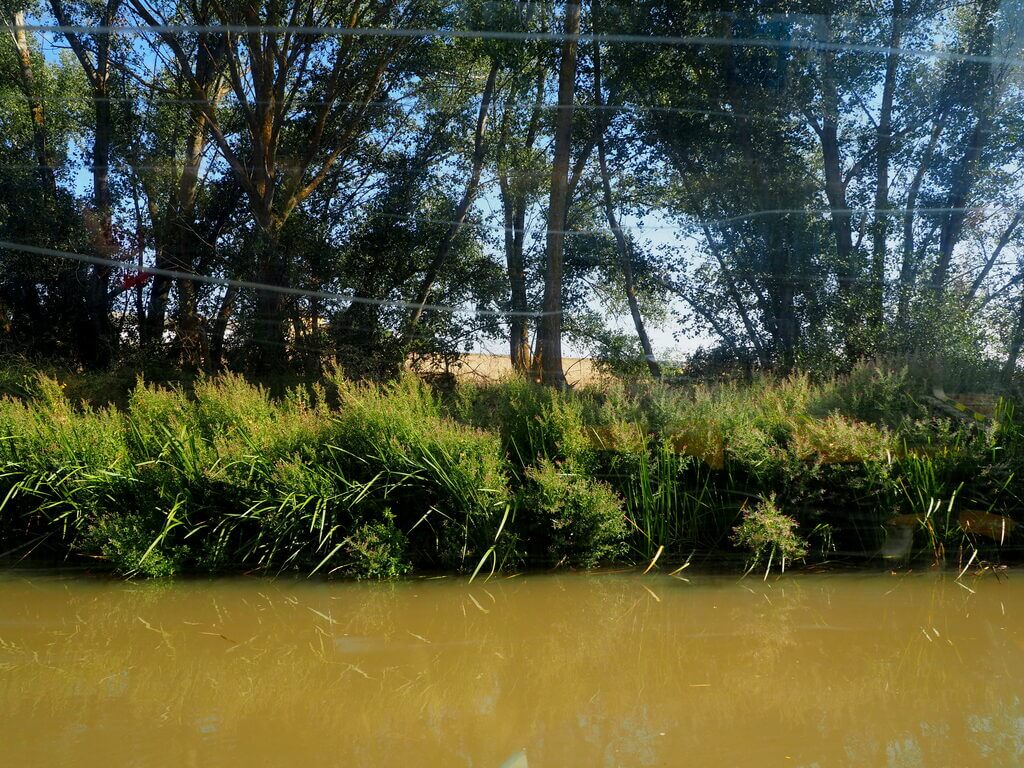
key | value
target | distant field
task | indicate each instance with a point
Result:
(478, 367)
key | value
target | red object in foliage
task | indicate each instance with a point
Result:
(134, 280)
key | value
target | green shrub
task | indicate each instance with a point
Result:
(669, 500)
(839, 440)
(871, 393)
(579, 520)
(368, 479)
(769, 534)
(538, 423)
(377, 550)
(445, 481)
(131, 544)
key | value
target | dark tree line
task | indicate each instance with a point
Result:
(796, 183)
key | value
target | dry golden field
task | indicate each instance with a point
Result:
(484, 368)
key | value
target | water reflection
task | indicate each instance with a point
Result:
(539, 671)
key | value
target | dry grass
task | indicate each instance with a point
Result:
(482, 369)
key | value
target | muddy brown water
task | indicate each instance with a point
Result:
(569, 670)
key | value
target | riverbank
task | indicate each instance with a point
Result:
(334, 477)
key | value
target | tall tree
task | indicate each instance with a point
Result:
(621, 245)
(548, 359)
(172, 204)
(469, 195)
(305, 101)
(517, 181)
(94, 53)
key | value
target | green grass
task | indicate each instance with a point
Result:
(373, 480)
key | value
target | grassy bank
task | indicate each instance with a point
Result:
(334, 477)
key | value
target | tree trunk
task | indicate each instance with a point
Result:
(105, 342)
(35, 104)
(733, 292)
(472, 186)
(269, 341)
(880, 230)
(515, 216)
(1016, 343)
(514, 199)
(625, 257)
(99, 341)
(220, 327)
(178, 227)
(549, 334)
(775, 291)
(959, 195)
(847, 271)
(626, 265)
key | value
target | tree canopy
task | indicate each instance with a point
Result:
(268, 185)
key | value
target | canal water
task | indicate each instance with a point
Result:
(567, 670)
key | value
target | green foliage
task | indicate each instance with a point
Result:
(535, 422)
(231, 477)
(127, 540)
(578, 518)
(670, 501)
(370, 480)
(769, 535)
(873, 393)
(377, 550)
(443, 477)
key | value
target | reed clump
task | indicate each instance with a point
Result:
(374, 480)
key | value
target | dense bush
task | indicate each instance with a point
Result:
(370, 480)
(769, 535)
(231, 477)
(575, 519)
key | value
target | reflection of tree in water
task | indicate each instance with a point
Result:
(999, 736)
(769, 619)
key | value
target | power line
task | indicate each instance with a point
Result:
(791, 278)
(794, 43)
(547, 106)
(250, 285)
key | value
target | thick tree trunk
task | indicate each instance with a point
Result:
(99, 340)
(268, 349)
(104, 342)
(193, 344)
(549, 336)
(835, 191)
(191, 339)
